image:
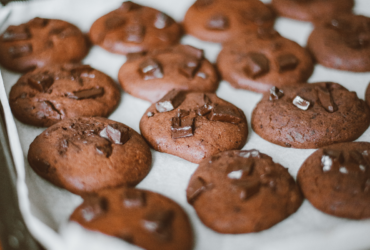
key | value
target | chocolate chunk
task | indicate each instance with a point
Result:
(326, 100)
(331, 157)
(301, 103)
(20, 50)
(189, 68)
(16, 33)
(151, 69)
(133, 198)
(38, 22)
(135, 33)
(206, 108)
(335, 155)
(224, 114)
(218, 22)
(275, 94)
(170, 101)
(181, 127)
(203, 3)
(248, 187)
(196, 187)
(357, 158)
(94, 207)
(182, 113)
(114, 22)
(287, 62)
(41, 82)
(257, 65)
(78, 70)
(190, 51)
(87, 93)
(240, 169)
(104, 149)
(250, 153)
(129, 6)
(159, 223)
(115, 134)
(162, 20)
(135, 56)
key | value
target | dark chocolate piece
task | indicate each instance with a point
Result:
(114, 22)
(301, 103)
(250, 153)
(240, 169)
(94, 207)
(80, 69)
(189, 68)
(20, 50)
(275, 94)
(206, 108)
(134, 56)
(335, 155)
(41, 82)
(133, 198)
(224, 114)
(170, 101)
(195, 188)
(182, 113)
(287, 62)
(135, 33)
(357, 158)
(248, 187)
(159, 223)
(104, 149)
(16, 33)
(162, 20)
(257, 65)
(190, 51)
(115, 134)
(331, 157)
(326, 100)
(218, 22)
(182, 127)
(87, 93)
(151, 69)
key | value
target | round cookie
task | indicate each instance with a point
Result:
(184, 67)
(50, 94)
(342, 43)
(238, 192)
(194, 125)
(41, 42)
(223, 20)
(146, 219)
(312, 10)
(336, 180)
(310, 115)
(134, 28)
(261, 60)
(86, 154)
(367, 95)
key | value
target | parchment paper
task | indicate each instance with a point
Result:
(46, 208)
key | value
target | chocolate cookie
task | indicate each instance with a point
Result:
(134, 28)
(41, 42)
(146, 219)
(312, 10)
(242, 191)
(194, 126)
(342, 43)
(310, 115)
(259, 61)
(367, 95)
(336, 180)
(223, 20)
(86, 154)
(184, 67)
(49, 94)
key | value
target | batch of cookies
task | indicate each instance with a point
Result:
(188, 120)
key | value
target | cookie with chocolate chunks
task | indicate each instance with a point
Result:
(312, 10)
(336, 180)
(193, 125)
(244, 191)
(86, 154)
(310, 115)
(261, 60)
(41, 42)
(223, 20)
(50, 94)
(151, 76)
(134, 28)
(143, 218)
(342, 42)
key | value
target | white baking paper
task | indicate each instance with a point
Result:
(46, 209)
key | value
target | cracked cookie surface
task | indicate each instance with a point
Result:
(311, 116)
(50, 94)
(84, 155)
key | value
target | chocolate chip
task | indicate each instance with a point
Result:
(129, 6)
(203, 3)
(326, 100)
(225, 114)
(151, 69)
(93, 207)
(247, 187)
(182, 113)
(159, 223)
(196, 187)
(115, 134)
(133, 198)
(104, 149)
(135, 33)
(287, 62)
(218, 22)
(162, 20)
(38, 22)
(16, 33)
(275, 94)
(41, 82)
(257, 65)
(114, 22)
(87, 93)
(135, 56)
(240, 169)
(20, 50)
(206, 108)
(250, 153)
(331, 157)
(170, 101)
(181, 127)
(190, 51)
(189, 68)
(301, 103)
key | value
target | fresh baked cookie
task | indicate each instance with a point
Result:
(50, 94)
(86, 154)
(342, 42)
(310, 115)
(259, 61)
(134, 28)
(146, 219)
(151, 76)
(367, 95)
(312, 10)
(242, 192)
(223, 20)
(336, 180)
(41, 42)
(194, 125)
